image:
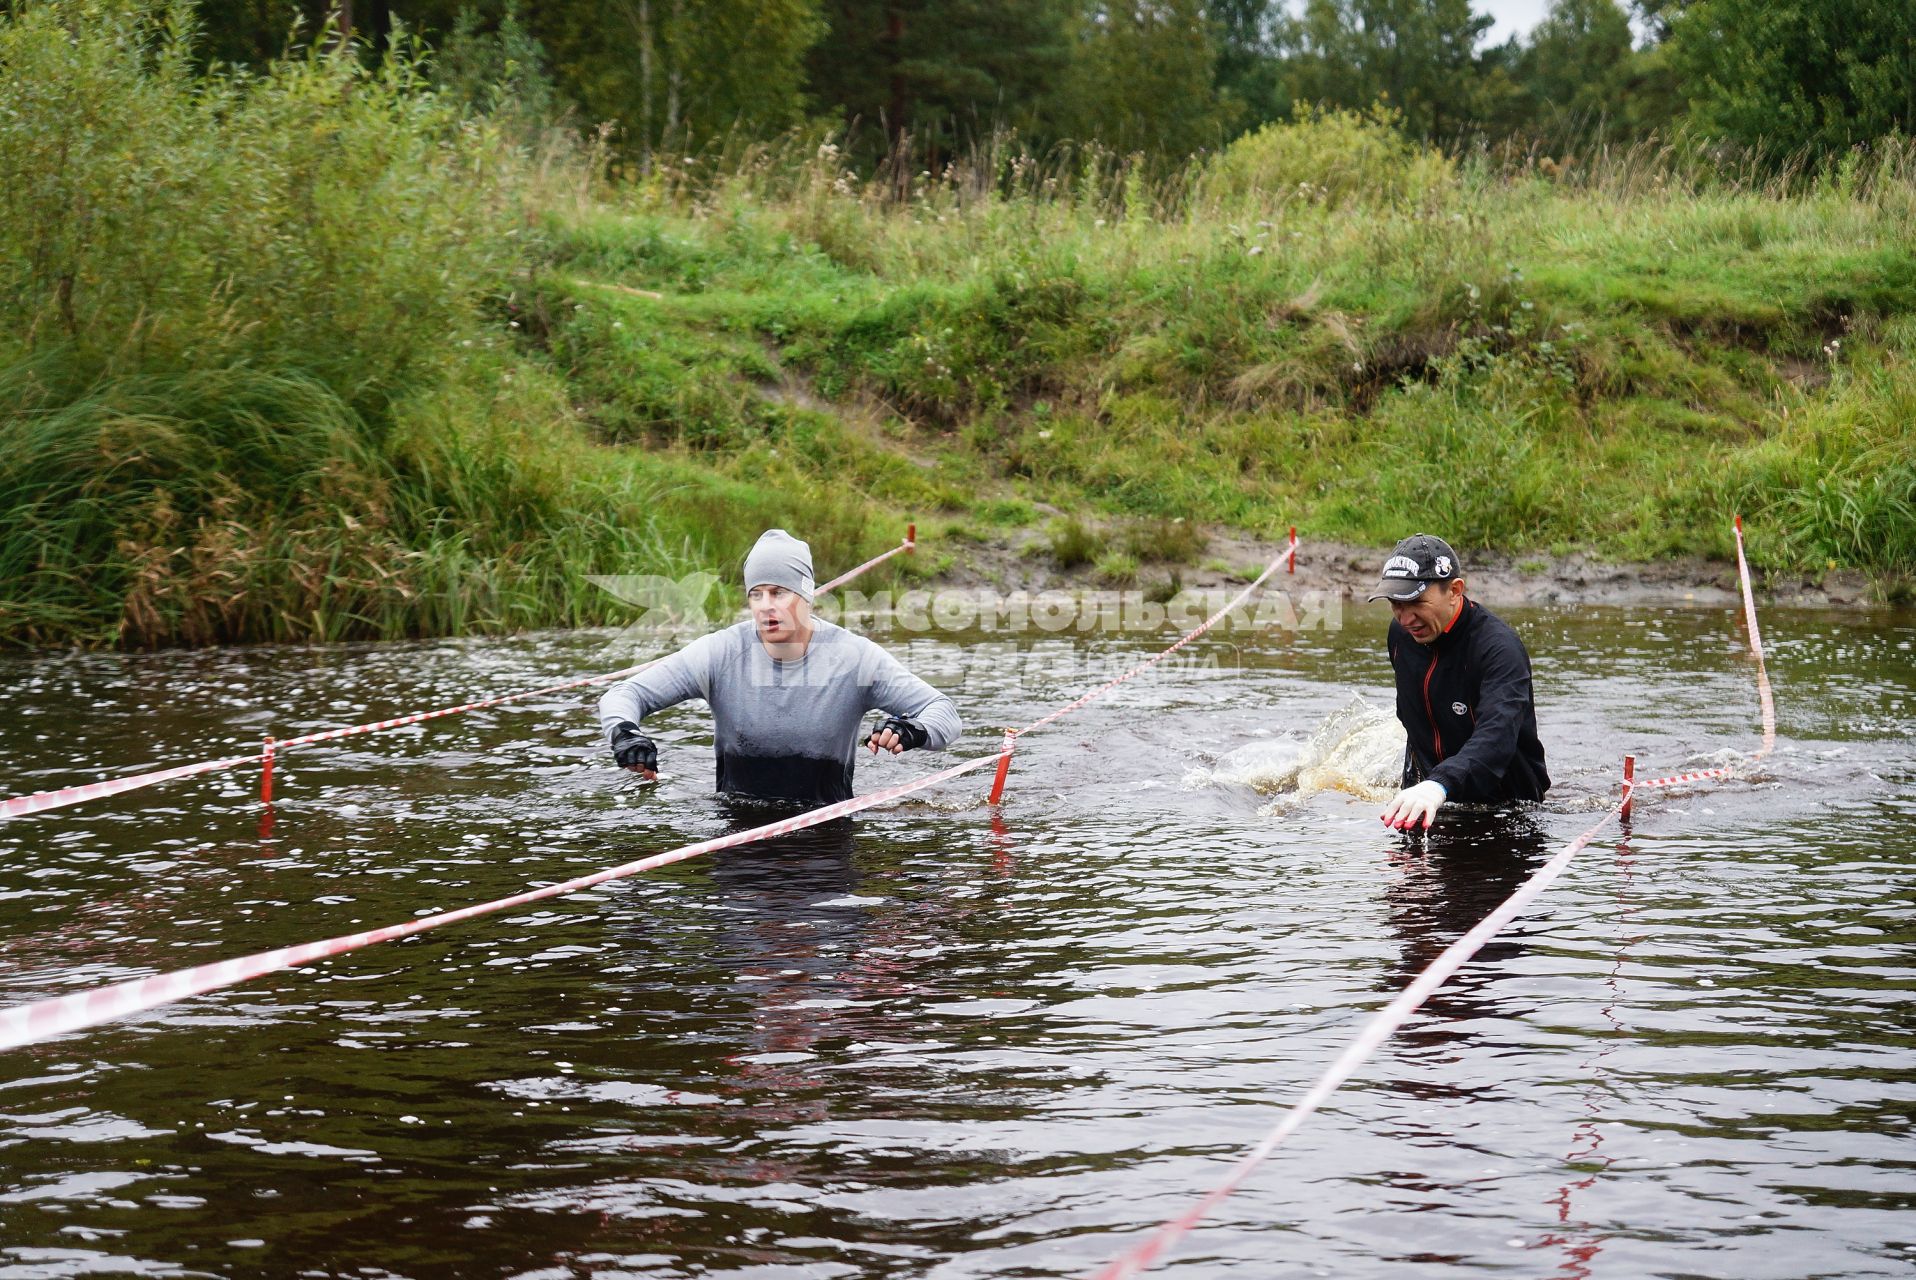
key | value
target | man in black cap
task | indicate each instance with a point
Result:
(1463, 689)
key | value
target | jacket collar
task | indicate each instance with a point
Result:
(1460, 625)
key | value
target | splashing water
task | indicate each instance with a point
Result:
(1356, 749)
(1742, 767)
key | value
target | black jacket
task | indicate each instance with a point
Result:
(1465, 703)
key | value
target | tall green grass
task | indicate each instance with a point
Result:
(260, 369)
(1330, 325)
(319, 353)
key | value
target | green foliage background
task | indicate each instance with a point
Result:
(342, 345)
(923, 80)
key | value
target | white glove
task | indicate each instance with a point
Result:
(1415, 806)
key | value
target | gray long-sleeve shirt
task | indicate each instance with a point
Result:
(788, 730)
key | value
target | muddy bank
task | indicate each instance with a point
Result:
(1025, 562)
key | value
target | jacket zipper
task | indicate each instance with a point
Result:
(1429, 714)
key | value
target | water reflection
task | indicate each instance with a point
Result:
(1576, 1236)
(1447, 879)
(793, 929)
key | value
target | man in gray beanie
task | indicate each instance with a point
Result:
(788, 692)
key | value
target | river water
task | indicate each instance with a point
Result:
(931, 1042)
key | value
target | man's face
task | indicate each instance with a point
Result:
(1427, 616)
(778, 613)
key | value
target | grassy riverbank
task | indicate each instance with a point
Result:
(315, 355)
(1614, 365)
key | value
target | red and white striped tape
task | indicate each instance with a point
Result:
(28, 1023)
(909, 544)
(396, 722)
(1380, 1027)
(41, 801)
(19, 806)
(1388, 1020)
(1680, 779)
(1012, 735)
(25, 1024)
(1765, 701)
(1288, 554)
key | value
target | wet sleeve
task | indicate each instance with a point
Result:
(681, 677)
(897, 692)
(1503, 706)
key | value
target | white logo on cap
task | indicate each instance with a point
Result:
(1443, 566)
(1400, 567)
(1459, 709)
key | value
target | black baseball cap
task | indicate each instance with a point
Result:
(1414, 564)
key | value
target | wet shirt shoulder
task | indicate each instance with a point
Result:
(787, 728)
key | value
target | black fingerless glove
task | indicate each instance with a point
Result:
(632, 749)
(910, 732)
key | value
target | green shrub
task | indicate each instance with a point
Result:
(319, 216)
(247, 387)
(1839, 484)
(1332, 157)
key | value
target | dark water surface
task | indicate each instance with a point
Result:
(924, 1043)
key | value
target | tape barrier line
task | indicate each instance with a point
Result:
(25, 1024)
(909, 544)
(997, 793)
(1681, 779)
(1382, 1025)
(1765, 700)
(1288, 554)
(1393, 1016)
(41, 801)
(329, 735)
(1763, 697)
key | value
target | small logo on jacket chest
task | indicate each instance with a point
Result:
(1459, 709)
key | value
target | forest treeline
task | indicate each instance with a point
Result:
(922, 79)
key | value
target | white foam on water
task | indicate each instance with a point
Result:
(1357, 749)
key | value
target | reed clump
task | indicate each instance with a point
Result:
(262, 371)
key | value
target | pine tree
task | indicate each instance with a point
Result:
(939, 73)
(1417, 56)
(1143, 79)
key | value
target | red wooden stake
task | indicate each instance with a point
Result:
(1004, 767)
(1629, 788)
(266, 774)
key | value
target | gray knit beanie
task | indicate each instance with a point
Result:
(780, 560)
